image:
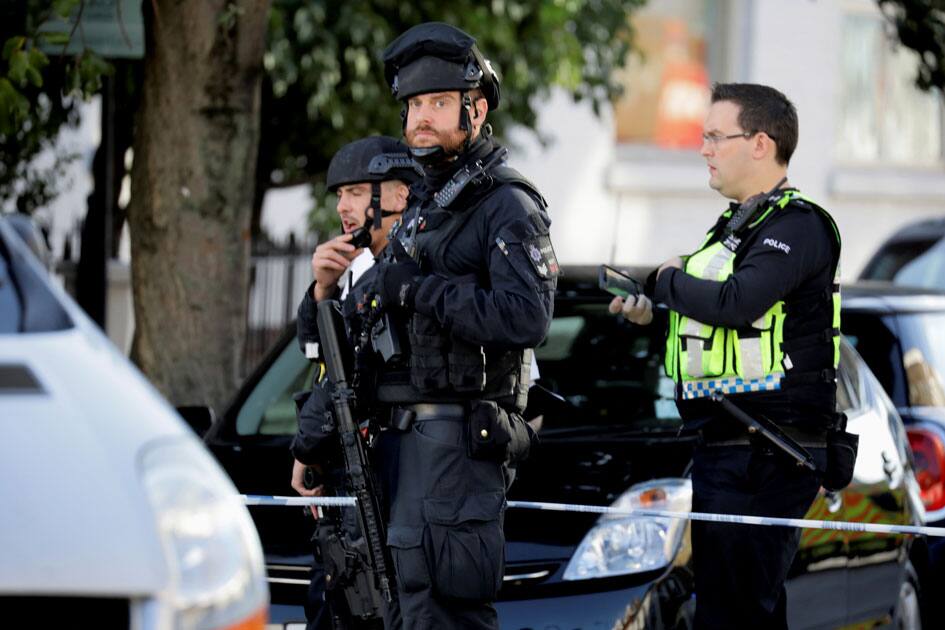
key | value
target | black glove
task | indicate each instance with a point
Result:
(397, 283)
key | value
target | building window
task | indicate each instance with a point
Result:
(666, 83)
(883, 116)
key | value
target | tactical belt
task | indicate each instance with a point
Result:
(808, 438)
(437, 411)
(402, 417)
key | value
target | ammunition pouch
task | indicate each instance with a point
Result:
(442, 363)
(429, 371)
(467, 366)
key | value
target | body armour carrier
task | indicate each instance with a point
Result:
(704, 359)
(438, 365)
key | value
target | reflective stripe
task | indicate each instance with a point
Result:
(707, 387)
(718, 264)
(752, 365)
(693, 328)
(694, 350)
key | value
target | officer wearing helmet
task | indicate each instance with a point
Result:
(468, 280)
(371, 179)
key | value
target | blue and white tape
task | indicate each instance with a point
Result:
(843, 526)
(259, 499)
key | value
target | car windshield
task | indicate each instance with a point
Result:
(918, 264)
(609, 372)
(27, 302)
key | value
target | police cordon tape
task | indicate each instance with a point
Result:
(843, 526)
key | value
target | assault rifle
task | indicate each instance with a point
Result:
(363, 570)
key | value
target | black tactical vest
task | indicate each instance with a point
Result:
(438, 366)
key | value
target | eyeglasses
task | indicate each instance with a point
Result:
(715, 139)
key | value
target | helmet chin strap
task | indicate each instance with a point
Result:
(376, 217)
(464, 123)
(428, 156)
(376, 204)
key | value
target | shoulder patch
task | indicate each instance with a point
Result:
(541, 255)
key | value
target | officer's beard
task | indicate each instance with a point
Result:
(450, 144)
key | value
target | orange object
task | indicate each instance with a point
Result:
(683, 96)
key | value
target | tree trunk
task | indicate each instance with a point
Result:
(196, 138)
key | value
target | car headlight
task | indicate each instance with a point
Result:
(210, 543)
(620, 545)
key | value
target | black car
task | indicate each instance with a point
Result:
(900, 333)
(913, 256)
(615, 442)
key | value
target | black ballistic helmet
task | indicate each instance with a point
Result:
(438, 57)
(373, 159)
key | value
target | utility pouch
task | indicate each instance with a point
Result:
(841, 456)
(429, 371)
(467, 366)
(490, 431)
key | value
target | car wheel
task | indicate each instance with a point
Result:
(908, 613)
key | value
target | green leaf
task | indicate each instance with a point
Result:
(34, 77)
(14, 107)
(89, 70)
(19, 64)
(13, 44)
(38, 59)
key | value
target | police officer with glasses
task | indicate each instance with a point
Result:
(753, 331)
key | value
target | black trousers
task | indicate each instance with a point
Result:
(445, 531)
(740, 569)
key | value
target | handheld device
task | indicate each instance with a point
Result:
(361, 237)
(617, 283)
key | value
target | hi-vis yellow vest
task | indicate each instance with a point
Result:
(703, 358)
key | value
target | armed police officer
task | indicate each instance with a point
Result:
(469, 283)
(371, 179)
(464, 292)
(753, 329)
